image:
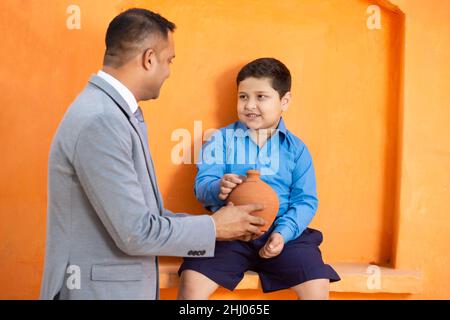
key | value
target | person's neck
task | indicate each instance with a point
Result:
(260, 136)
(125, 77)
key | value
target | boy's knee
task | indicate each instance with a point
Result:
(195, 286)
(318, 289)
(186, 288)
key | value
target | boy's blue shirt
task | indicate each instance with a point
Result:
(284, 163)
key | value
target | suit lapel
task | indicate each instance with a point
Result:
(120, 102)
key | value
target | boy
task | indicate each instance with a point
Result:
(287, 256)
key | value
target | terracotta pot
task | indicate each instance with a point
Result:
(254, 190)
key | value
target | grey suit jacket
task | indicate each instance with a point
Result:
(106, 223)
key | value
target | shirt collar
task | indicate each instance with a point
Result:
(121, 89)
(282, 127)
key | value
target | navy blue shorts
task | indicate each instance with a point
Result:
(300, 261)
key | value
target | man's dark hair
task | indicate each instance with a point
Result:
(127, 31)
(270, 68)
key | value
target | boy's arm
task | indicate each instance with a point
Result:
(303, 200)
(210, 171)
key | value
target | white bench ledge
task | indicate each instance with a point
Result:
(355, 277)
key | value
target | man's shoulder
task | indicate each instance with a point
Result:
(91, 109)
(92, 103)
(93, 97)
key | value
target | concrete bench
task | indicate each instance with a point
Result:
(356, 277)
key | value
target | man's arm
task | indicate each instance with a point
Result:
(168, 213)
(104, 165)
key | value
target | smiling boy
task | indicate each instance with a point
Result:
(288, 254)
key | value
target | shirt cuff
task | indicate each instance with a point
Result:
(287, 233)
(215, 189)
(214, 192)
(214, 224)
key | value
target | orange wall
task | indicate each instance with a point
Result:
(382, 157)
(423, 239)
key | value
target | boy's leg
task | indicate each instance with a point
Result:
(318, 289)
(200, 277)
(299, 267)
(195, 286)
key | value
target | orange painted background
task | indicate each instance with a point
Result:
(372, 105)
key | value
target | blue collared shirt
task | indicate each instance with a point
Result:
(284, 163)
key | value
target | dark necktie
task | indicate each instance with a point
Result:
(140, 117)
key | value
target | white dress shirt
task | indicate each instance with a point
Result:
(121, 88)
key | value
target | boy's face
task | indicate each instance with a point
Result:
(259, 105)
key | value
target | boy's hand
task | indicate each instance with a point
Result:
(228, 182)
(273, 246)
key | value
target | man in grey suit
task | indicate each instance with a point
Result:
(106, 220)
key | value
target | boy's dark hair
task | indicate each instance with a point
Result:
(128, 30)
(270, 68)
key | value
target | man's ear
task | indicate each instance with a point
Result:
(285, 101)
(149, 58)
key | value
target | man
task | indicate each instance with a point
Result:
(106, 220)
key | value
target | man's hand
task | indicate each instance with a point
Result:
(250, 237)
(228, 182)
(273, 246)
(236, 222)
